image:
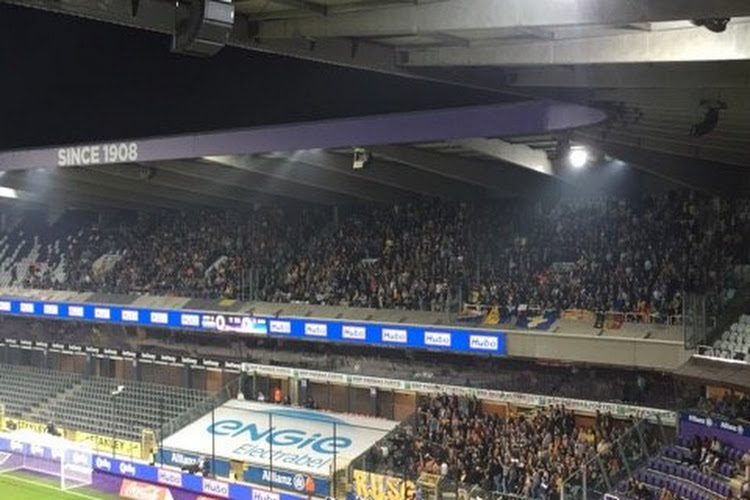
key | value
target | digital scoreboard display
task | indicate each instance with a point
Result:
(234, 323)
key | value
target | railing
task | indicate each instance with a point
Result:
(605, 471)
(205, 406)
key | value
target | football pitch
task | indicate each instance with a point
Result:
(15, 486)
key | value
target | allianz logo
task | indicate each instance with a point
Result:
(700, 420)
(276, 478)
(16, 446)
(437, 339)
(483, 342)
(180, 459)
(37, 450)
(731, 427)
(264, 495)
(103, 464)
(127, 469)
(215, 488)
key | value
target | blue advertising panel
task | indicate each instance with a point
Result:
(289, 481)
(727, 431)
(464, 340)
(190, 482)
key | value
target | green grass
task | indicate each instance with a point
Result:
(19, 486)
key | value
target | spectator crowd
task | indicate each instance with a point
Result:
(529, 454)
(636, 255)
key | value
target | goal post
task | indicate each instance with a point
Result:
(46, 454)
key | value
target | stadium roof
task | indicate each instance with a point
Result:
(646, 63)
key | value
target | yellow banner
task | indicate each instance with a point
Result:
(104, 444)
(98, 442)
(12, 424)
(372, 486)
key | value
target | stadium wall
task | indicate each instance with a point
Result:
(617, 351)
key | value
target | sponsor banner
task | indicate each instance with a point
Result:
(302, 441)
(104, 444)
(465, 340)
(730, 432)
(187, 487)
(516, 398)
(372, 486)
(288, 481)
(136, 490)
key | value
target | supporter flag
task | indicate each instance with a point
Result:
(493, 316)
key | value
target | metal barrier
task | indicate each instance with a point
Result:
(606, 470)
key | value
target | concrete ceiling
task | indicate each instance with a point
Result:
(645, 62)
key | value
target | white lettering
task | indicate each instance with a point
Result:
(160, 318)
(394, 335)
(102, 313)
(483, 342)
(129, 315)
(51, 309)
(190, 320)
(97, 154)
(127, 469)
(280, 327)
(103, 464)
(316, 329)
(75, 311)
(437, 339)
(264, 495)
(354, 332)
(217, 488)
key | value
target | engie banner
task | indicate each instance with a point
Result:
(727, 431)
(279, 438)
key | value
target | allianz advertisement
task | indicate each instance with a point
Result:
(279, 438)
(289, 481)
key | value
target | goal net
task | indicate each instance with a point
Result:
(46, 454)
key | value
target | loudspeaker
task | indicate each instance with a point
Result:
(202, 27)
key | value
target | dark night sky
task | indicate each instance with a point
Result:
(65, 79)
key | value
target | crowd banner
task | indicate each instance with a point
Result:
(373, 486)
(620, 410)
(737, 434)
(439, 338)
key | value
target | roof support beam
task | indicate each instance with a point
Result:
(258, 187)
(315, 8)
(685, 45)
(298, 173)
(499, 178)
(517, 154)
(386, 173)
(454, 15)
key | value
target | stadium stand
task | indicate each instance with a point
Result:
(692, 469)
(85, 404)
(89, 406)
(634, 256)
(735, 341)
(24, 387)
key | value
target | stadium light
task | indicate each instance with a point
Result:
(578, 156)
(6, 192)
